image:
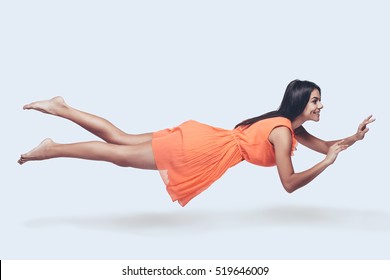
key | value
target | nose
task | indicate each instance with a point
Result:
(320, 105)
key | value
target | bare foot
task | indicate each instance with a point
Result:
(51, 106)
(38, 153)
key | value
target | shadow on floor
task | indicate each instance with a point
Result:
(286, 216)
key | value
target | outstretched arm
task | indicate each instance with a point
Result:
(321, 146)
(281, 138)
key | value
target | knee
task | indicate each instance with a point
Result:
(121, 161)
(122, 156)
(137, 156)
(117, 138)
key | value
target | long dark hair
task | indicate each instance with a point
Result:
(294, 101)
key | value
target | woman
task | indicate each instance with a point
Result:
(192, 156)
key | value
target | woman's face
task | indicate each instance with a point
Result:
(313, 107)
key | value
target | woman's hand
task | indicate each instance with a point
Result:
(363, 129)
(334, 151)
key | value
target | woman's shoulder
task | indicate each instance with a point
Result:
(274, 122)
(266, 126)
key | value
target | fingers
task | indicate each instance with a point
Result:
(368, 120)
(340, 143)
(363, 125)
(334, 150)
(343, 147)
(339, 146)
(369, 117)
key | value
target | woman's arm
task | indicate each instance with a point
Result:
(321, 146)
(281, 138)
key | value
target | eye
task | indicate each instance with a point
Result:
(316, 100)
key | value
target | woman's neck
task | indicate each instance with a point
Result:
(297, 122)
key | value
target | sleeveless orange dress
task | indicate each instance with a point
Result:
(191, 156)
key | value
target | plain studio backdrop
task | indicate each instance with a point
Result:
(149, 65)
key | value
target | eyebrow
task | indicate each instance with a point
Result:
(315, 97)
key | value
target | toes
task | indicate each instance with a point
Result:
(28, 106)
(33, 105)
(23, 159)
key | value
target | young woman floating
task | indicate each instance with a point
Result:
(191, 156)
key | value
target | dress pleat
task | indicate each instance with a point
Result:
(203, 154)
(192, 156)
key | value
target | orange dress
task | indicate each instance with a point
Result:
(191, 156)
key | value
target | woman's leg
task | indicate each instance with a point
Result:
(96, 125)
(138, 156)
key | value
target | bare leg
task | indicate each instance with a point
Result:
(94, 124)
(138, 156)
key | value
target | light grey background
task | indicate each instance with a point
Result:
(148, 65)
